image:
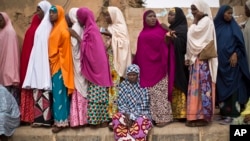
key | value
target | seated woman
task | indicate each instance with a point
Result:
(133, 121)
(9, 114)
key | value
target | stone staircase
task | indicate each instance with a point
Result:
(176, 131)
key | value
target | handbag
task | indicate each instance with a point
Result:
(208, 52)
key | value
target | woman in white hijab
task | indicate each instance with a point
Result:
(38, 72)
(201, 88)
(119, 52)
(79, 102)
(246, 31)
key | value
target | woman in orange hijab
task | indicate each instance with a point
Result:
(60, 59)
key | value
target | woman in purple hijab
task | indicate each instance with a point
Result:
(155, 57)
(95, 68)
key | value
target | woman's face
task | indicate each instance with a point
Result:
(2, 21)
(39, 12)
(53, 16)
(132, 77)
(228, 15)
(151, 19)
(107, 17)
(171, 17)
(194, 10)
(247, 11)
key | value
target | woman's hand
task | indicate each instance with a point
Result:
(128, 121)
(233, 60)
(171, 34)
(187, 62)
(198, 16)
(75, 35)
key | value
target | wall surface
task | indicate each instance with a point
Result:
(21, 11)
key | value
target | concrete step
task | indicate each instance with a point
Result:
(175, 131)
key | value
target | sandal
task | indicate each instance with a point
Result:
(226, 121)
(104, 124)
(191, 123)
(201, 122)
(56, 129)
(161, 124)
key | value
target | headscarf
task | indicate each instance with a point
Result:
(81, 83)
(202, 6)
(133, 68)
(201, 34)
(38, 72)
(154, 56)
(120, 41)
(9, 54)
(27, 46)
(180, 26)
(9, 112)
(94, 61)
(60, 55)
(230, 40)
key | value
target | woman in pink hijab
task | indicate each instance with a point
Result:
(9, 56)
(156, 59)
(95, 68)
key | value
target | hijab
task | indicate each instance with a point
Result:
(201, 34)
(120, 41)
(94, 61)
(180, 26)
(81, 84)
(27, 46)
(229, 40)
(9, 54)
(38, 72)
(60, 55)
(154, 57)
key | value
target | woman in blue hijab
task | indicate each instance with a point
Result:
(233, 74)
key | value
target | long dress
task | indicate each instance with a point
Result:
(179, 98)
(38, 77)
(61, 67)
(27, 101)
(79, 102)
(156, 60)
(9, 58)
(203, 73)
(232, 82)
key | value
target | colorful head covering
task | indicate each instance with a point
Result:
(94, 61)
(122, 55)
(60, 55)
(154, 57)
(133, 68)
(9, 54)
(53, 8)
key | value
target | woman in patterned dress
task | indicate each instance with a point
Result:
(95, 68)
(133, 121)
